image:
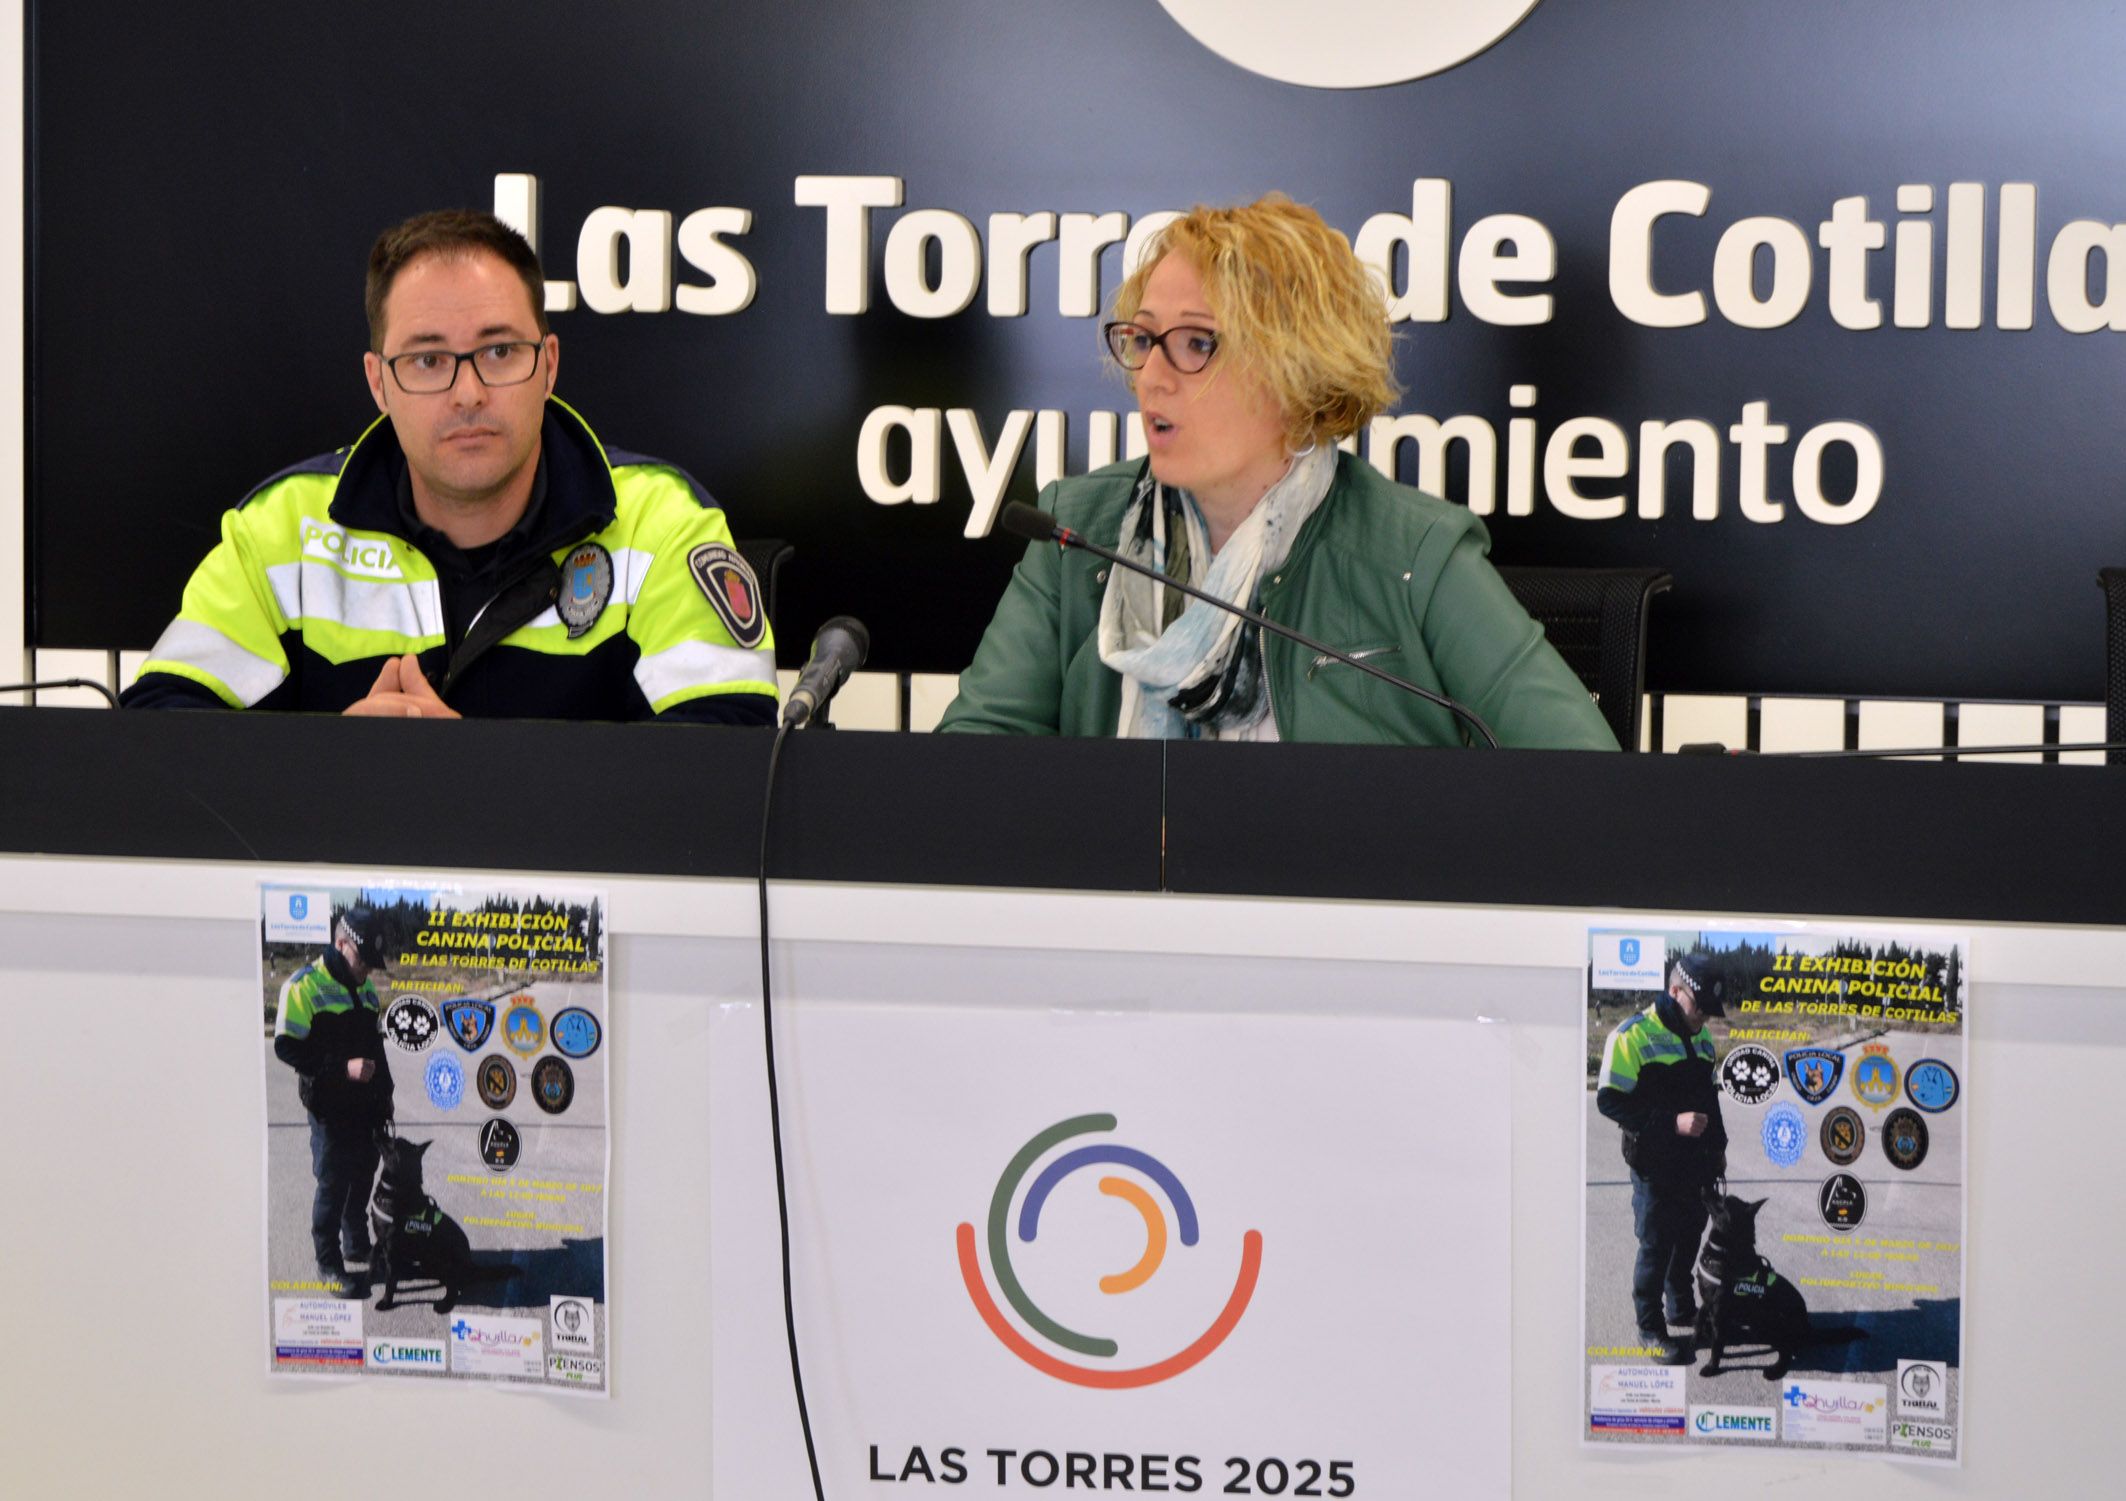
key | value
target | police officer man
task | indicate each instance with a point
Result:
(477, 550)
(1658, 1083)
(327, 1030)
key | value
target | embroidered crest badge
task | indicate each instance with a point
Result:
(586, 585)
(1814, 1072)
(732, 592)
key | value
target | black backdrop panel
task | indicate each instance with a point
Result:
(205, 183)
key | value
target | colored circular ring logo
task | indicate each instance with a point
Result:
(1000, 1231)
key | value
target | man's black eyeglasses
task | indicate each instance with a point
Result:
(425, 372)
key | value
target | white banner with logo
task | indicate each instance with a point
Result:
(436, 1133)
(1040, 1249)
(1775, 1200)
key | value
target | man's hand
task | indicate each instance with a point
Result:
(402, 691)
(1692, 1123)
(361, 1070)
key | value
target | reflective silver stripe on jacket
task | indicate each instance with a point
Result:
(318, 591)
(245, 673)
(693, 664)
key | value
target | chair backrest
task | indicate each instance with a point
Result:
(2113, 582)
(1596, 618)
(765, 556)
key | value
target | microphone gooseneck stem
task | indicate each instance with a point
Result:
(1065, 537)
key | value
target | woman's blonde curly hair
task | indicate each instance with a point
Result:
(1294, 306)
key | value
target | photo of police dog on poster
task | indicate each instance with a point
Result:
(1774, 1215)
(436, 1133)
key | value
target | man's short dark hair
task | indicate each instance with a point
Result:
(448, 231)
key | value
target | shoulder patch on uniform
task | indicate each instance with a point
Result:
(586, 585)
(731, 590)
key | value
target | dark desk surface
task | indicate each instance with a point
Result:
(1523, 828)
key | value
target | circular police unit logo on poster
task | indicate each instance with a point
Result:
(1931, 1085)
(1749, 1074)
(1843, 1202)
(1786, 1135)
(498, 1081)
(444, 1081)
(1904, 1138)
(553, 1086)
(576, 1033)
(499, 1145)
(411, 1023)
(1844, 1135)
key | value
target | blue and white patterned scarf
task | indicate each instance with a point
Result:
(1195, 671)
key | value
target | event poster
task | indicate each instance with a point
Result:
(1039, 1249)
(436, 1133)
(1775, 1204)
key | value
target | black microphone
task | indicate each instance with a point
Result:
(1024, 520)
(838, 650)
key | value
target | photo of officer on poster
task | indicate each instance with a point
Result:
(1774, 1207)
(436, 1143)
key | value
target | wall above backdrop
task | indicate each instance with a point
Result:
(1817, 306)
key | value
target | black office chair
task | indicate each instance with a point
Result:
(765, 556)
(2113, 582)
(1596, 618)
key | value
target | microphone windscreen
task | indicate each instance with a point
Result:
(854, 629)
(1023, 520)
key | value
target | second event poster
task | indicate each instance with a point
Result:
(1774, 1204)
(437, 1150)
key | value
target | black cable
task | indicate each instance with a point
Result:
(61, 683)
(782, 1198)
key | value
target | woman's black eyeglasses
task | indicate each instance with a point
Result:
(1187, 349)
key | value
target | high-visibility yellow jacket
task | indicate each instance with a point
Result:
(633, 599)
